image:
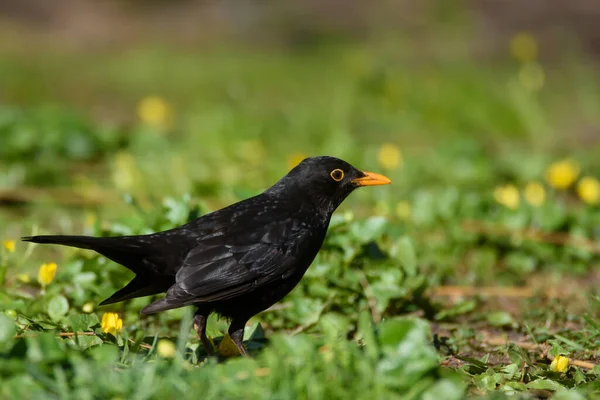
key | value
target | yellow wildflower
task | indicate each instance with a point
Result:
(532, 77)
(46, 273)
(523, 47)
(111, 323)
(227, 348)
(165, 348)
(403, 210)
(154, 111)
(535, 194)
(389, 156)
(507, 195)
(9, 245)
(588, 190)
(295, 159)
(560, 364)
(562, 174)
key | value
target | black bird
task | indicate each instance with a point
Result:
(239, 260)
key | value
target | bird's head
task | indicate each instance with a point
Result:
(326, 181)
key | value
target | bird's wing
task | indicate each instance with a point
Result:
(253, 251)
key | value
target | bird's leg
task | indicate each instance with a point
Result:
(236, 333)
(200, 327)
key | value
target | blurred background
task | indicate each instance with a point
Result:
(110, 105)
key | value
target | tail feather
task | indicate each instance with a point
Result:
(132, 252)
(139, 287)
(157, 306)
(154, 272)
(82, 242)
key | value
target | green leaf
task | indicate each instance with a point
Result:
(463, 307)
(82, 322)
(8, 329)
(105, 355)
(366, 330)
(500, 318)
(334, 325)
(444, 389)
(406, 255)
(544, 384)
(45, 347)
(564, 394)
(84, 342)
(401, 333)
(488, 380)
(58, 306)
(369, 229)
(511, 371)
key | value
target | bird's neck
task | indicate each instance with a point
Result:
(319, 207)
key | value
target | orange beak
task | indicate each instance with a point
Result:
(371, 179)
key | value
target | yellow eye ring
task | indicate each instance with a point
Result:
(337, 174)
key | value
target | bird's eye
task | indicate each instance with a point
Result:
(337, 174)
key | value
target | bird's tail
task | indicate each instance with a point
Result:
(82, 242)
(132, 252)
(125, 250)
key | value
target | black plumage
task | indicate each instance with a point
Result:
(239, 260)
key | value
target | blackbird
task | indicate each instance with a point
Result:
(239, 260)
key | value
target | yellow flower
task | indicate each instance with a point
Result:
(227, 348)
(535, 194)
(9, 245)
(46, 273)
(507, 195)
(295, 159)
(523, 47)
(389, 156)
(111, 323)
(562, 174)
(588, 190)
(154, 111)
(560, 364)
(532, 77)
(403, 210)
(165, 348)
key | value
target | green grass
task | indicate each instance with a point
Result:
(372, 318)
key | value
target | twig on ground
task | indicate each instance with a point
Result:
(489, 291)
(61, 334)
(501, 341)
